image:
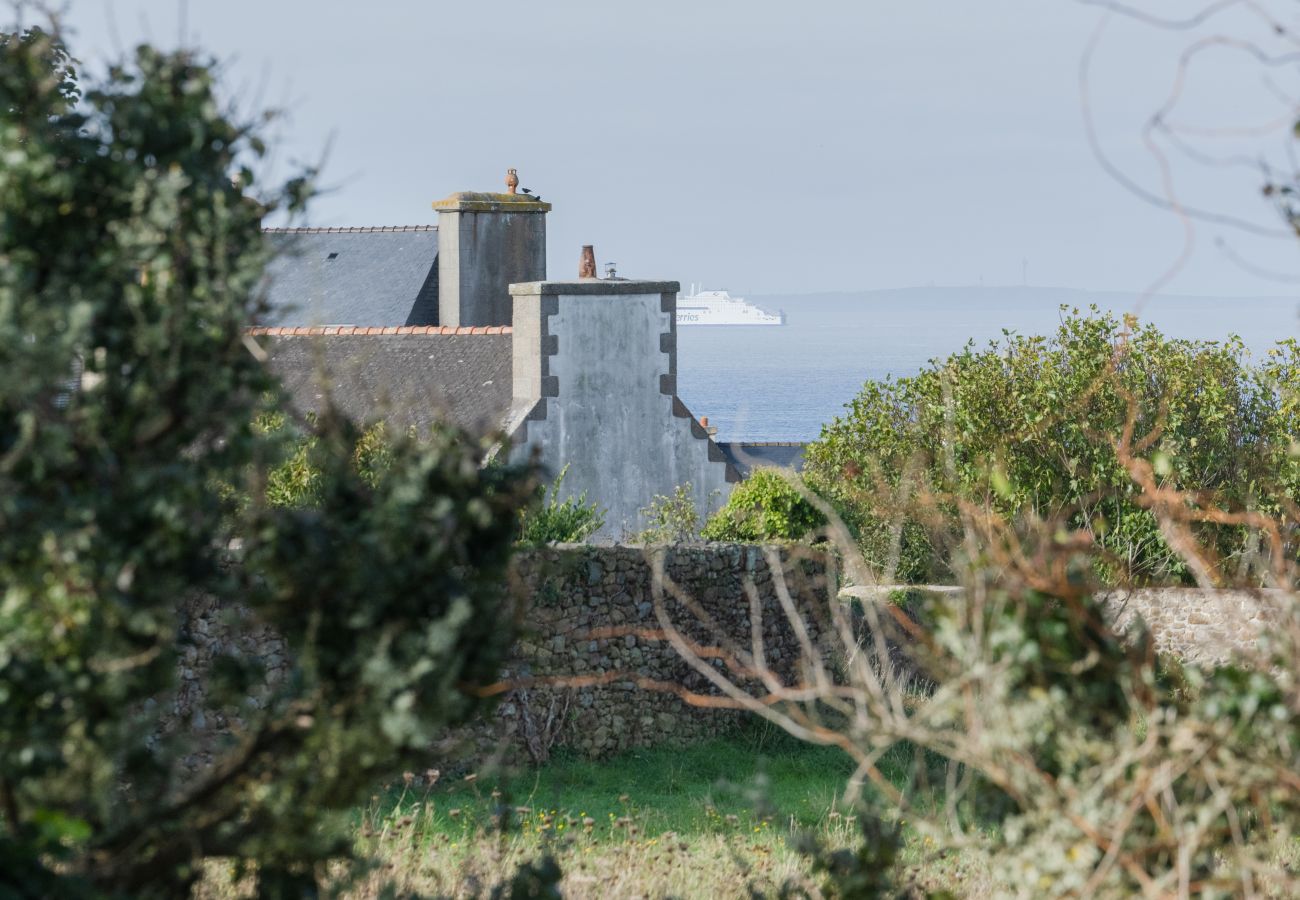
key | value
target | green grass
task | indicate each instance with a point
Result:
(757, 779)
(710, 820)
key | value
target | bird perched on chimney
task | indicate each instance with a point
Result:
(531, 194)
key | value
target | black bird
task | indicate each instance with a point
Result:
(531, 194)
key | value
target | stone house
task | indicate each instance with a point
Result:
(458, 321)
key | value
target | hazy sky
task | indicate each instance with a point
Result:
(766, 146)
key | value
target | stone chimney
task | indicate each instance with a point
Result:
(486, 242)
(595, 389)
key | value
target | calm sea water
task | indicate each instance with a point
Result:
(782, 384)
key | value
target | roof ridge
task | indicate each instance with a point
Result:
(350, 229)
(332, 330)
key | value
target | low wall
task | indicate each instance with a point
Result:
(593, 669)
(209, 630)
(1200, 626)
(596, 669)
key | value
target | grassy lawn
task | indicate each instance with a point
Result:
(758, 777)
(721, 819)
(712, 820)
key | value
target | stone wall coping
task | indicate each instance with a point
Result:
(482, 201)
(872, 591)
(767, 443)
(594, 286)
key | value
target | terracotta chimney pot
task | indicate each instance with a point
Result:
(587, 265)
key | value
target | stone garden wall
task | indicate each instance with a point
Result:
(1199, 625)
(595, 670)
(209, 630)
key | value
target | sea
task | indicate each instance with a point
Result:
(782, 383)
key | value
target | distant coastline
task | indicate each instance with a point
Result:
(1039, 291)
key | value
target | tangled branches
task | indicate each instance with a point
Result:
(1076, 759)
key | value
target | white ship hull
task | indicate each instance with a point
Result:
(720, 308)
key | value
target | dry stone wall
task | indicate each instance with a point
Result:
(1200, 626)
(209, 630)
(593, 669)
(595, 665)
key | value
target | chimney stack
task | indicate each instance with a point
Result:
(486, 242)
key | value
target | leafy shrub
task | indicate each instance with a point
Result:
(764, 507)
(670, 519)
(549, 519)
(1035, 426)
(130, 463)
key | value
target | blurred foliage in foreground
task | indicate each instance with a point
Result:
(1075, 760)
(130, 259)
(1057, 428)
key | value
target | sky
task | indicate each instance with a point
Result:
(777, 147)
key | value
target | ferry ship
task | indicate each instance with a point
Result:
(720, 308)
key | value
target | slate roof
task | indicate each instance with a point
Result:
(748, 455)
(353, 276)
(405, 378)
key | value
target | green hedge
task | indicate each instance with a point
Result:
(1029, 426)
